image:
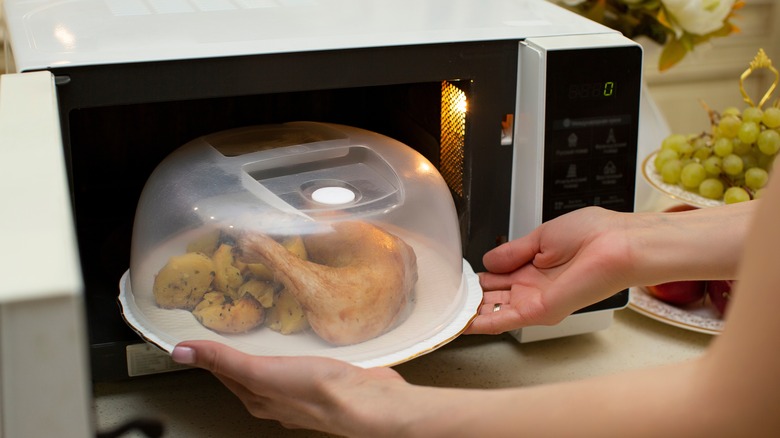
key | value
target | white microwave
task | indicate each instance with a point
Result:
(527, 110)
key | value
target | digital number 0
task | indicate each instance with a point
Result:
(609, 88)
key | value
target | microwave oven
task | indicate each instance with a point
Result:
(527, 110)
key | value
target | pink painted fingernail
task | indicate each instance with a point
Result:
(183, 355)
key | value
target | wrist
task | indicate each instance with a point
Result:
(704, 244)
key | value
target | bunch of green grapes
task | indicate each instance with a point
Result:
(732, 163)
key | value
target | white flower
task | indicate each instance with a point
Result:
(699, 17)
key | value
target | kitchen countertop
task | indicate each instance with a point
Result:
(194, 404)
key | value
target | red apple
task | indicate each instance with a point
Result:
(679, 293)
(719, 292)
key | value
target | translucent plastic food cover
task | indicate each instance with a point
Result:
(301, 237)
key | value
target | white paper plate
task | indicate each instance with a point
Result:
(702, 318)
(674, 191)
(435, 316)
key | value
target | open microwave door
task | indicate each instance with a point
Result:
(44, 367)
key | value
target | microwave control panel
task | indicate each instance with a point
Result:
(591, 129)
(576, 141)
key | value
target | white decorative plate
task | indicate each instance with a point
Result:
(702, 318)
(440, 310)
(674, 191)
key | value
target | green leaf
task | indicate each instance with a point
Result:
(647, 5)
(688, 41)
(726, 30)
(596, 13)
(673, 52)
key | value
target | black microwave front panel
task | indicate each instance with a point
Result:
(591, 129)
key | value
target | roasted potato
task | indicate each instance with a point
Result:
(183, 281)
(206, 243)
(262, 291)
(227, 276)
(220, 313)
(286, 316)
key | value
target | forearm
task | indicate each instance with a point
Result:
(676, 400)
(698, 244)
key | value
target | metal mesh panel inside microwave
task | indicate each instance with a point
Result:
(453, 135)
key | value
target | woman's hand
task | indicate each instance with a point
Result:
(299, 392)
(562, 266)
(590, 254)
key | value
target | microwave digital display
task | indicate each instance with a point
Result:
(593, 90)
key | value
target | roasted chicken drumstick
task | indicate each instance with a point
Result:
(357, 283)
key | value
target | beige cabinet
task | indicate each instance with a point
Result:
(711, 72)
